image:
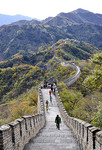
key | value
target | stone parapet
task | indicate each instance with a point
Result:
(88, 136)
(15, 135)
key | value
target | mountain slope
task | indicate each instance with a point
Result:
(27, 39)
(89, 33)
(73, 49)
(66, 49)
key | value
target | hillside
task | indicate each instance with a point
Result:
(70, 49)
(16, 79)
(27, 39)
(89, 33)
(65, 49)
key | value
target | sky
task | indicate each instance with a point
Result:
(42, 9)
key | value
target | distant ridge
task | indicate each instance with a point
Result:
(75, 17)
(7, 19)
(78, 16)
(81, 10)
(47, 19)
(25, 22)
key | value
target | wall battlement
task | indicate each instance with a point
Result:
(15, 135)
(88, 136)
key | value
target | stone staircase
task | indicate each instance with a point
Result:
(50, 138)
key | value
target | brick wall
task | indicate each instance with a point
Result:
(15, 135)
(88, 136)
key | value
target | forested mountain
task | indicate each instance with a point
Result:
(28, 37)
(89, 33)
(68, 49)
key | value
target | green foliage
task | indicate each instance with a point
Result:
(97, 119)
(20, 109)
(58, 71)
(86, 107)
(16, 80)
(69, 99)
(62, 86)
(25, 104)
(94, 80)
(90, 33)
(73, 49)
(85, 70)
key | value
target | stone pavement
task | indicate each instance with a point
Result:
(50, 138)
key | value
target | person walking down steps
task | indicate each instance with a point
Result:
(50, 98)
(50, 92)
(58, 121)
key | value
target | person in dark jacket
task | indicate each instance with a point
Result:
(58, 121)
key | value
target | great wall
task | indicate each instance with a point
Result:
(15, 135)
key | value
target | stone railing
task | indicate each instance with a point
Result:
(88, 136)
(15, 135)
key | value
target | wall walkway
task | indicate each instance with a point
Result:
(50, 138)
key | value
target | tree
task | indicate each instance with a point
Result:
(97, 119)
(94, 80)
(70, 99)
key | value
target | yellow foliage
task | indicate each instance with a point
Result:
(35, 67)
(62, 86)
(72, 73)
(33, 98)
(20, 109)
(14, 75)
